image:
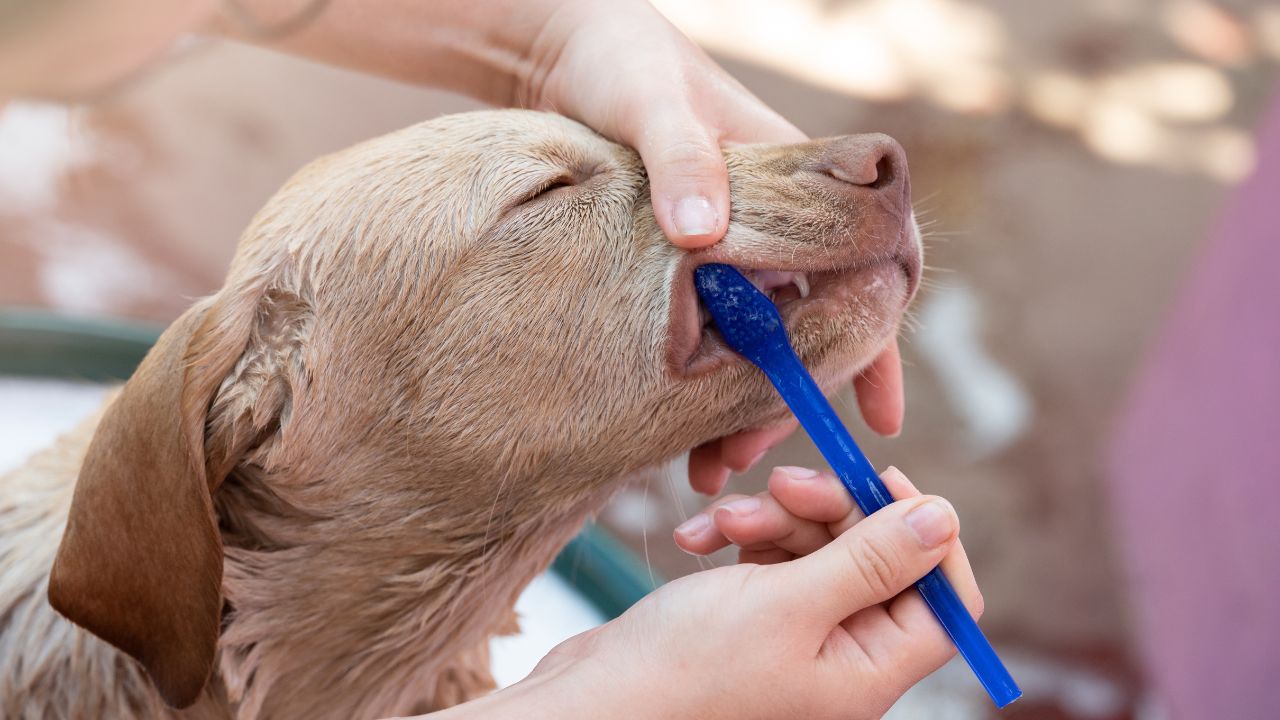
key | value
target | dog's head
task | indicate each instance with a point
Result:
(480, 299)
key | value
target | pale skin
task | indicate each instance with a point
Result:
(815, 623)
(812, 623)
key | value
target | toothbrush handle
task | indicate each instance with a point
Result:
(820, 421)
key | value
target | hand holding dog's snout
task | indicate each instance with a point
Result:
(665, 97)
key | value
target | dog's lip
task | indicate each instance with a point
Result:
(693, 349)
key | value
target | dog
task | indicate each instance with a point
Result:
(435, 355)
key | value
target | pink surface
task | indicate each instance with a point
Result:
(1195, 472)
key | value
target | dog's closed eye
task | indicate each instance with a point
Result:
(560, 182)
(569, 176)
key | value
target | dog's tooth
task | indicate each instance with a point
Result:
(801, 282)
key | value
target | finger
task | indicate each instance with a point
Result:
(880, 394)
(707, 474)
(699, 535)
(921, 645)
(875, 560)
(766, 126)
(820, 496)
(899, 487)
(955, 565)
(688, 180)
(741, 451)
(744, 118)
(759, 125)
(760, 523)
(812, 495)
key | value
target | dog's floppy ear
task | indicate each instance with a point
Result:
(140, 564)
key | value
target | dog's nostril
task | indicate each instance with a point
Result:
(876, 174)
(865, 161)
(884, 172)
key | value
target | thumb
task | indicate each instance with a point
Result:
(687, 179)
(872, 561)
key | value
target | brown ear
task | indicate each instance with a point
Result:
(140, 564)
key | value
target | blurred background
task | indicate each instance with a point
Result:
(1071, 161)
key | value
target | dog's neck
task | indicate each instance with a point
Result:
(379, 609)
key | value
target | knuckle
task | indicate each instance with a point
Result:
(689, 158)
(877, 565)
(692, 149)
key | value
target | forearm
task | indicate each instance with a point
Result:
(483, 48)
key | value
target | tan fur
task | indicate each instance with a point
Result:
(410, 393)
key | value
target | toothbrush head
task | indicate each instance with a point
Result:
(746, 318)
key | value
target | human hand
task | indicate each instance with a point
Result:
(624, 70)
(814, 624)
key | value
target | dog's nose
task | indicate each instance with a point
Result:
(862, 164)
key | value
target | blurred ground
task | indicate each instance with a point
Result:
(1068, 157)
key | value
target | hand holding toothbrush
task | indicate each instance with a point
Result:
(814, 624)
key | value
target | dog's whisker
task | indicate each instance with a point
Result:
(644, 530)
(703, 562)
(924, 201)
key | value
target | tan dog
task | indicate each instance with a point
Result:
(436, 353)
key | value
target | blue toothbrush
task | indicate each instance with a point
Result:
(749, 322)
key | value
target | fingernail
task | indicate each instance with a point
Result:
(743, 507)
(694, 526)
(933, 522)
(694, 215)
(798, 473)
(755, 460)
